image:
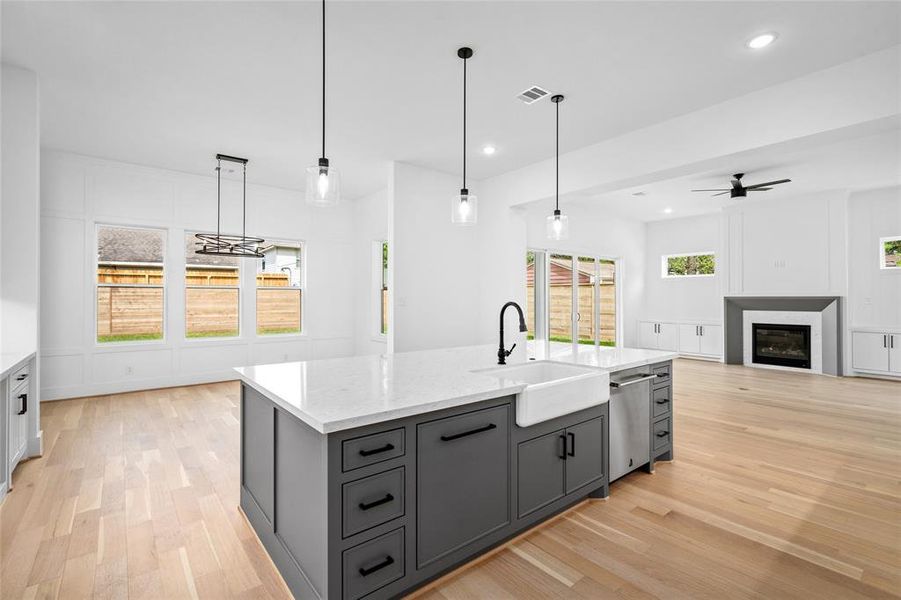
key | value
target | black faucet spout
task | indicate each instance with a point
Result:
(503, 353)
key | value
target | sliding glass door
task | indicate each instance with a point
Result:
(574, 297)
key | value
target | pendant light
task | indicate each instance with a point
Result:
(322, 179)
(557, 224)
(220, 244)
(464, 206)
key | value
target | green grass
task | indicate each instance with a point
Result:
(566, 340)
(129, 337)
(212, 334)
(277, 330)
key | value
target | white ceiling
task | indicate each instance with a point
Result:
(170, 84)
(858, 162)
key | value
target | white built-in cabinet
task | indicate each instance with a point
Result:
(695, 339)
(658, 336)
(876, 351)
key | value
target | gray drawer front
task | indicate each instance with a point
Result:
(662, 371)
(371, 449)
(540, 468)
(663, 435)
(661, 401)
(372, 501)
(373, 564)
(463, 479)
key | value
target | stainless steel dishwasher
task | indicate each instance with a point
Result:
(630, 414)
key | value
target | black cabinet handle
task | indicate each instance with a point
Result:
(457, 436)
(367, 505)
(662, 433)
(572, 444)
(22, 377)
(885, 341)
(24, 399)
(891, 342)
(664, 374)
(663, 401)
(384, 448)
(562, 454)
(388, 561)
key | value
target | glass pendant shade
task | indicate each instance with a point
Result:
(558, 226)
(323, 185)
(464, 208)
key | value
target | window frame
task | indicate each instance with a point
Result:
(664, 265)
(882, 241)
(185, 287)
(302, 287)
(162, 340)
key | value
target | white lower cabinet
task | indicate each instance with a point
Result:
(876, 351)
(686, 338)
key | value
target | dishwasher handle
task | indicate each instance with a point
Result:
(628, 382)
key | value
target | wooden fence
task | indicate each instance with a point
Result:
(560, 311)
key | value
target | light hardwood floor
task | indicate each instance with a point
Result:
(784, 486)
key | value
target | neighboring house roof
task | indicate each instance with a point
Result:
(120, 244)
(561, 273)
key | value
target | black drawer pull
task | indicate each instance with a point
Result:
(387, 562)
(562, 455)
(24, 399)
(22, 377)
(663, 401)
(457, 436)
(664, 374)
(384, 448)
(572, 444)
(367, 505)
(662, 433)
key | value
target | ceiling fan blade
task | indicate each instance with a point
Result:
(714, 190)
(721, 193)
(757, 189)
(766, 184)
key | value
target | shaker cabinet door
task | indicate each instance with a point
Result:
(462, 482)
(540, 472)
(869, 351)
(584, 453)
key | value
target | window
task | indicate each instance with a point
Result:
(130, 280)
(212, 293)
(571, 299)
(890, 251)
(383, 292)
(700, 264)
(279, 289)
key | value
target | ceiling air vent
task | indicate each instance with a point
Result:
(533, 94)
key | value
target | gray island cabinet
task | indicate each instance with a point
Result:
(376, 506)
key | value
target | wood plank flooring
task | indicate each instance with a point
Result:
(784, 486)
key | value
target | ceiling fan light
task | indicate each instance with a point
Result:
(762, 40)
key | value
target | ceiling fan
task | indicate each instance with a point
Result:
(740, 191)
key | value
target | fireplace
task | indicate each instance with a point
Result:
(781, 344)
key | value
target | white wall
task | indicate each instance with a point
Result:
(874, 294)
(691, 299)
(77, 192)
(370, 225)
(19, 220)
(594, 233)
(435, 264)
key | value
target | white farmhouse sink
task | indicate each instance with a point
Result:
(553, 389)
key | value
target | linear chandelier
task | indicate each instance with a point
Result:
(221, 244)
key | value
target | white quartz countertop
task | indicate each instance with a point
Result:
(11, 360)
(342, 393)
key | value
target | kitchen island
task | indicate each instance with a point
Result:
(369, 476)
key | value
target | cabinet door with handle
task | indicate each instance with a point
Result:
(689, 338)
(711, 340)
(584, 453)
(647, 335)
(870, 351)
(894, 352)
(462, 483)
(540, 471)
(668, 336)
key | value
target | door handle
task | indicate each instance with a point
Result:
(384, 448)
(662, 401)
(627, 382)
(562, 454)
(369, 571)
(24, 399)
(884, 341)
(662, 434)
(702, 329)
(572, 444)
(22, 377)
(891, 341)
(457, 436)
(367, 505)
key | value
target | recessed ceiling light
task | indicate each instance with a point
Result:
(762, 41)
(489, 150)
(667, 210)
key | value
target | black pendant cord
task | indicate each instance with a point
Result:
(218, 197)
(464, 123)
(323, 78)
(557, 154)
(244, 206)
